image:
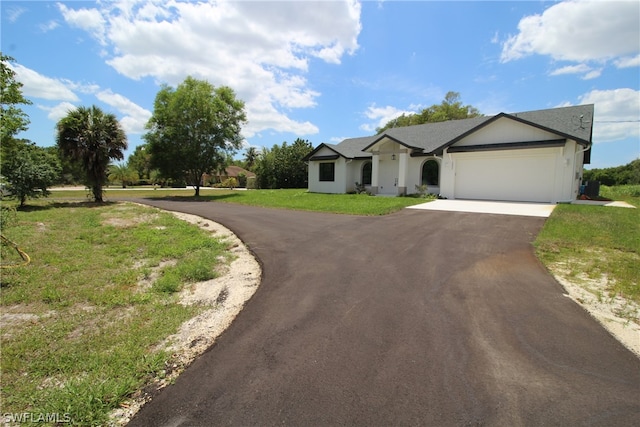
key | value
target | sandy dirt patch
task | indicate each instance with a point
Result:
(619, 316)
(225, 296)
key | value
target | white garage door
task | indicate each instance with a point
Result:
(513, 175)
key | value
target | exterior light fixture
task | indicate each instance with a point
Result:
(393, 157)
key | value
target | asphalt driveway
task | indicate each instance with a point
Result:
(415, 318)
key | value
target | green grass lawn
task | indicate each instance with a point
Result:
(597, 241)
(78, 329)
(296, 199)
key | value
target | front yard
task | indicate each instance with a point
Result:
(82, 322)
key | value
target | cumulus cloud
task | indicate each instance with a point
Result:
(58, 111)
(578, 31)
(628, 62)
(38, 86)
(586, 71)
(617, 113)
(90, 20)
(382, 115)
(581, 31)
(263, 115)
(261, 49)
(135, 117)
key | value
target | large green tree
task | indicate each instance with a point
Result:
(193, 129)
(30, 171)
(451, 108)
(282, 166)
(92, 138)
(140, 161)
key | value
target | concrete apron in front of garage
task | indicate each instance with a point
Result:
(480, 206)
(506, 208)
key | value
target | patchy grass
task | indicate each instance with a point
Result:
(78, 329)
(296, 199)
(597, 243)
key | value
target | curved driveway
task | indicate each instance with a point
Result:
(416, 318)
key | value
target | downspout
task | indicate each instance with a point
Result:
(575, 162)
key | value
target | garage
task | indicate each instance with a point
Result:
(509, 175)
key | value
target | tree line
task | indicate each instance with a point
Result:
(628, 174)
(194, 130)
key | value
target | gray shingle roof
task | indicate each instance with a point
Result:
(574, 122)
(570, 122)
(352, 147)
(431, 136)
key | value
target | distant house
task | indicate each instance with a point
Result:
(534, 156)
(229, 172)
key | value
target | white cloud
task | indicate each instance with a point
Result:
(628, 62)
(382, 115)
(135, 117)
(38, 86)
(592, 74)
(261, 49)
(90, 20)
(617, 113)
(49, 26)
(578, 31)
(13, 13)
(263, 115)
(59, 111)
(587, 72)
(571, 69)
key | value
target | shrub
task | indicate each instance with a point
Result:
(230, 183)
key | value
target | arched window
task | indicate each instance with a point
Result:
(366, 174)
(430, 173)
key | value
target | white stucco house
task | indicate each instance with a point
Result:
(534, 156)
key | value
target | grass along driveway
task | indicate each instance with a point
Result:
(594, 251)
(85, 324)
(295, 199)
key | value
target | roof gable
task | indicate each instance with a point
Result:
(569, 122)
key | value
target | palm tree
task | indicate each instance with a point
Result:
(92, 138)
(250, 157)
(123, 173)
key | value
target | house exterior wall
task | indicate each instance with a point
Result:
(354, 173)
(505, 130)
(335, 186)
(414, 174)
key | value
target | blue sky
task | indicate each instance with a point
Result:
(328, 70)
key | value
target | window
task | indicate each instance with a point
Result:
(366, 174)
(430, 173)
(327, 171)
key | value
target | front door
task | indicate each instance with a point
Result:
(388, 169)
